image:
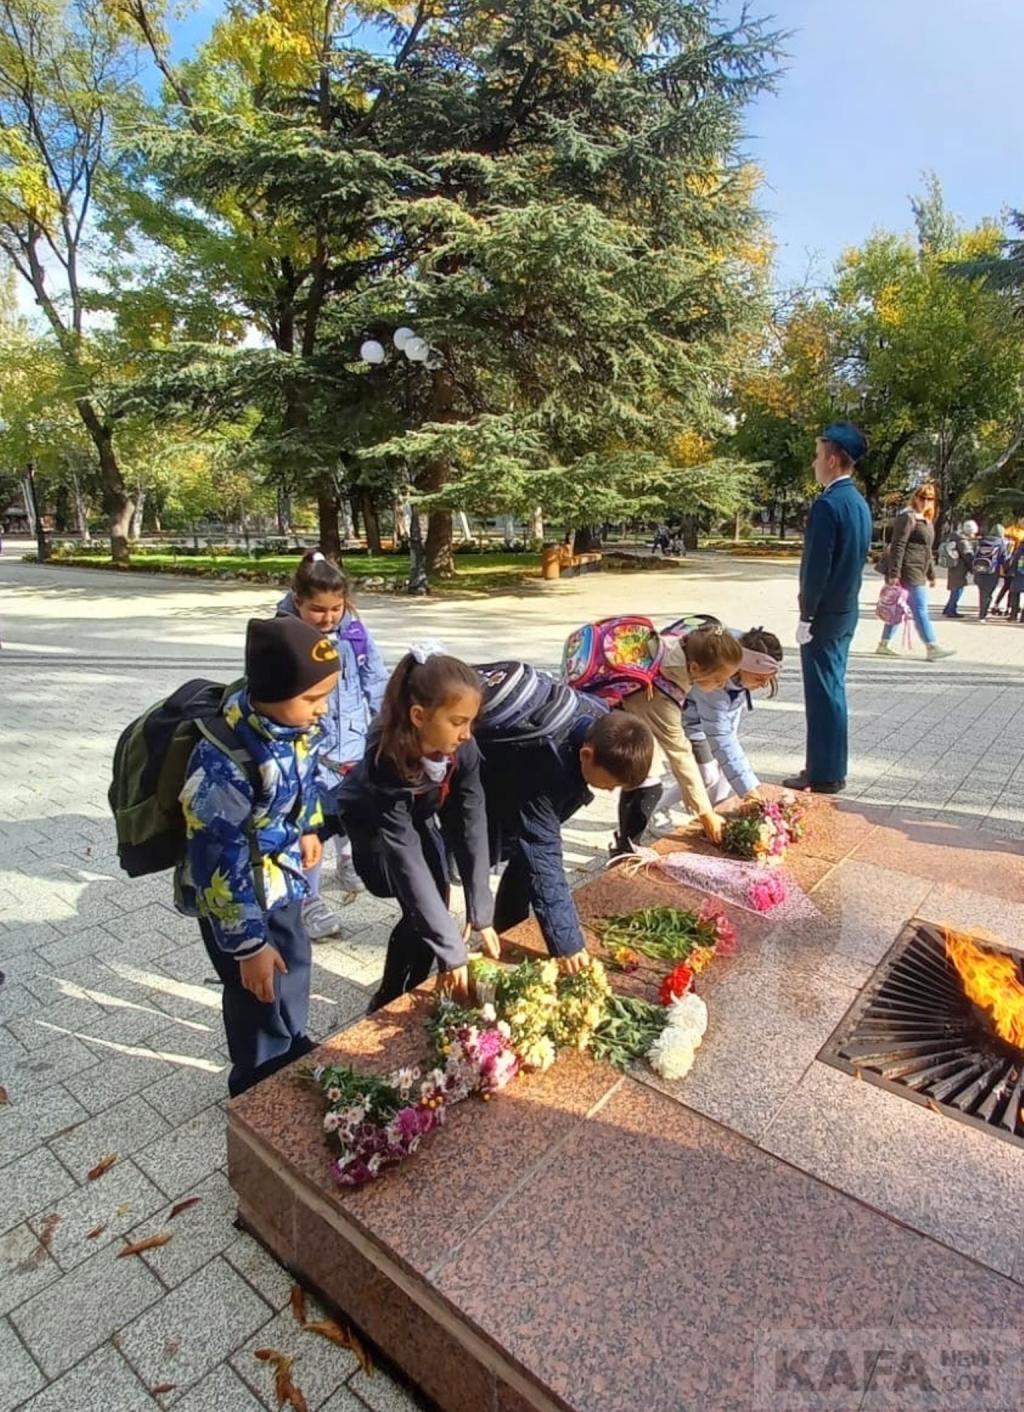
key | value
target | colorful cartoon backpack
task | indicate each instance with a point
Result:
(613, 658)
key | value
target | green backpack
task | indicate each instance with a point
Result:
(150, 765)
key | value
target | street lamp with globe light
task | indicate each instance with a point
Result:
(415, 350)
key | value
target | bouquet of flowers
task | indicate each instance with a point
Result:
(767, 892)
(371, 1121)
(532, 1012)
(667, 934)
(525, 999)
(672, 1053)
(765, 829)
(581, 1004)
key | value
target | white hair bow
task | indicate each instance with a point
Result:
(318, 558)
(423, 650)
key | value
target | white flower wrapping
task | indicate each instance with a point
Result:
(672, 1053)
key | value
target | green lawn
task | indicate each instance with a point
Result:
(474, 572)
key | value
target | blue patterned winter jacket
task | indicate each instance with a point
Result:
(217, 880)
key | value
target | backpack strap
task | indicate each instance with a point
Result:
(216, 730)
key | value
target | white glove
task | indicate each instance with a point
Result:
(803, 634)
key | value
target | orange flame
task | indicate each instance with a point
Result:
(991, 980)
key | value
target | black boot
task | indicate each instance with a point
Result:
(635, 809)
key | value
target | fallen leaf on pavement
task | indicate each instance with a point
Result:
(286, 1390)
(124, 1208)
(3, 1095)
(161, 1388)
(184, 1206)
(365, 1361)
(299, 1304)
(50, 1225)
(327, 1328)
(150, 1243)
(96, 1231)
(103, 1165)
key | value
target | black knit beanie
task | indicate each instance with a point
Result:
(285, 657)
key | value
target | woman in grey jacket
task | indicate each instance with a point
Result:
(910, 562)
(960, 550)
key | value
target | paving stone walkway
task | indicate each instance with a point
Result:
(110, 1035)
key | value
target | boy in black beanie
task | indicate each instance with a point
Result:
(252, 810)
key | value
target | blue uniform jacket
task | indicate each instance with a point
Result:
(714, 716)
(357, 698)
(217, 879)
(391, 821)
(531, 791)
(836, 544)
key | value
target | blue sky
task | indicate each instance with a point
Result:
(875, 93)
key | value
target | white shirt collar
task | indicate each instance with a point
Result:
(848, 476)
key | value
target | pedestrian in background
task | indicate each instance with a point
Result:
(960, 560)
(910, 562)
(989, 558)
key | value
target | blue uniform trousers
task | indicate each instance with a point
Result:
(824, 672)
(263, 1038)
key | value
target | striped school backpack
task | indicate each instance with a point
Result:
(523, 706)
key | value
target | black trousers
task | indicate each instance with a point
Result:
(410, 959)
(263, 1038)
(635, 809)
(512, 901)
(986, 587)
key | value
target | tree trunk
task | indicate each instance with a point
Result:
(116, 500)
(327, 517)
(418, 579)
(355, 513)
(440, 560)
(587, 539)
(537, 526)
(81, 518)
(371, 522)
(345, 517)
(135, 531)
(62, 510)
(284, 512)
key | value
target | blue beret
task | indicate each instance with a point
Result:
(846, 435)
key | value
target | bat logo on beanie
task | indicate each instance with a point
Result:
(285, 657)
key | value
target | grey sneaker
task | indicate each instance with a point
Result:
(884, 650)
(345, 870)
(318, 919)
(938, 654)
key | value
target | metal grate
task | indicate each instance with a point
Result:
(913, 1031)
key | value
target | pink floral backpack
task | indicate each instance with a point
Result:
(893, 607)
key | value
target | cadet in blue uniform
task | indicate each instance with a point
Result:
(836, 545)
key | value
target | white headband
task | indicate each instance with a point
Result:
(318, 558)
(423, 650)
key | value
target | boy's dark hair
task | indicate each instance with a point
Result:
(318, 574)
(761, 640)
(710, 647)
(832, 448)
(623, 746)
(428, 684)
